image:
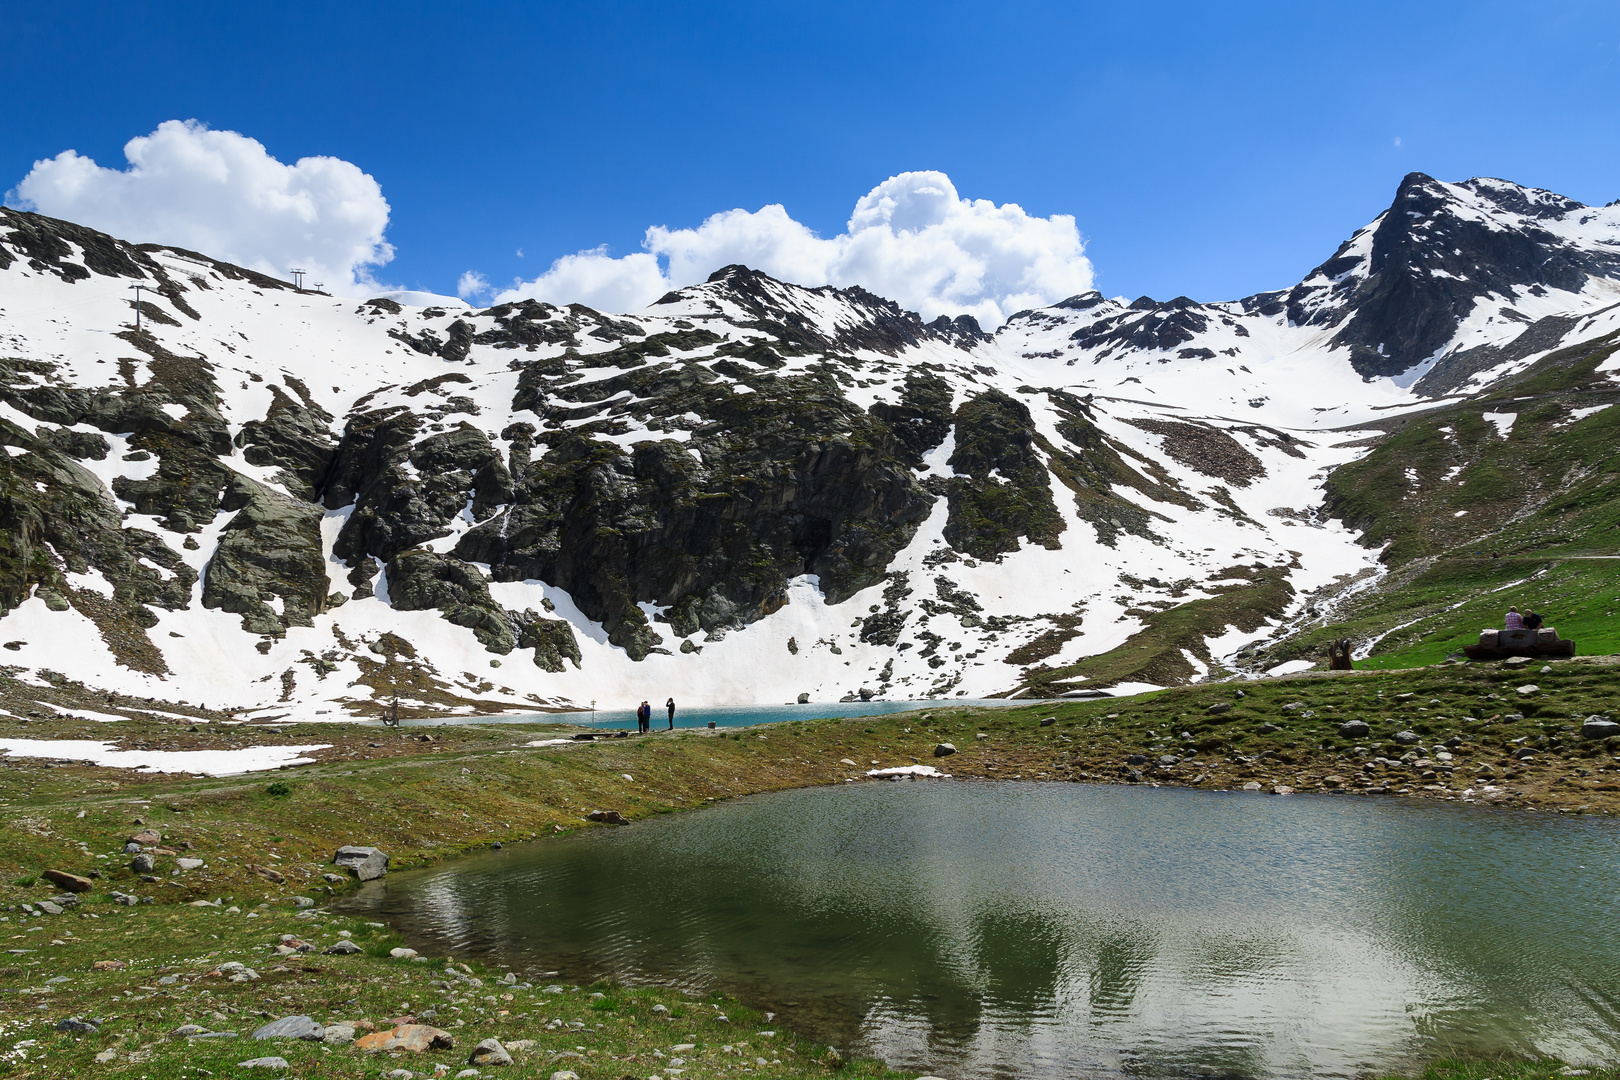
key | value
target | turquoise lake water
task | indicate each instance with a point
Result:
(722, 715)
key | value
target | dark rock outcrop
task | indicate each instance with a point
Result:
(995, 434)
(271, 549)
(420, 580)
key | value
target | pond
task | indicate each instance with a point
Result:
(1015, 929)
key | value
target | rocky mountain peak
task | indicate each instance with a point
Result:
(1405, 285)
(814, 318)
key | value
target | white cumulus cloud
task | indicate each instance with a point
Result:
(223, 194)
(472, 285)
(912, 239)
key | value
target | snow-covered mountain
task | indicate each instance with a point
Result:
(268, 498)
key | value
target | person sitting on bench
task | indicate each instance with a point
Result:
(1533, 621)
(1514, 620)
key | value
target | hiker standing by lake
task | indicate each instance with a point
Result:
(670, 705)
(644, 718)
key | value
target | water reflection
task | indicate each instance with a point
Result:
(1019, 929)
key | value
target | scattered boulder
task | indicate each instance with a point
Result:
(77, 1026)
(1219, 707)
(292, 1027)
(142, 863)
(147, 837)
(277, 1063)
(188, 864)
(365, 863)
(339, 1034)
(1252, 785)
(1332, 781)
(1282, 789)
(1516, 661)
(71, 882)
(416, 1038)
(489, 1052)
(402, 954)
(1407, 738)
(608, 817)
(275, 877)
(1599, 727)
(1268, 729)
(944, 749)
(341, 948)
(109, 965)
(1048, 721)
(1355, 729)
(1528, 689)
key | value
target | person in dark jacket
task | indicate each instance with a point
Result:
(644, 718)
(1532, 621)
(670, 705)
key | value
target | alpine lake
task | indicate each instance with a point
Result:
(1001, 929)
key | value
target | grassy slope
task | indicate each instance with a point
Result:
(1465, 516)
(1475, 522)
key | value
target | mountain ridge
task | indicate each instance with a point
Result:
(748, 491)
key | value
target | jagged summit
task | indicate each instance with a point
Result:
(1444, 288)
(816, 318)
(1400, 290)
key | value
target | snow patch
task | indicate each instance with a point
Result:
(200, 762)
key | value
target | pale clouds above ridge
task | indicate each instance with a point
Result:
(911, 239)
(223, 194)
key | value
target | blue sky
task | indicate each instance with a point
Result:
(1208, 149)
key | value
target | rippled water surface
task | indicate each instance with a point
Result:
(1002, 929)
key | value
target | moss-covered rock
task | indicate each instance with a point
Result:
(294, 436)
(271, 549)
(420, 580)
(551, 639)
(989, 513)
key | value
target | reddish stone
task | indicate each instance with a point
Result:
(417, 1038)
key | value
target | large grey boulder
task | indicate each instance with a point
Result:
(292, 1027)
(1599, 727)
(366, 863)
(489, 1052)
